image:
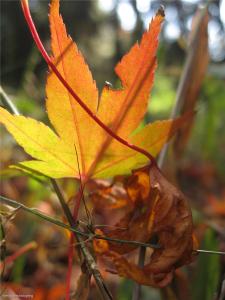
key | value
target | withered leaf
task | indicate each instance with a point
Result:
(172, 224)
(142, 276)
(156, 208)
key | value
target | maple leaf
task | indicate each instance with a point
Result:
(79, 142)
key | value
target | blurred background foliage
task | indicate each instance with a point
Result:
(104, 31)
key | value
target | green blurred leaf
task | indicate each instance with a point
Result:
(18, 269)
(163, 96)
(205, 281)
(125, 290)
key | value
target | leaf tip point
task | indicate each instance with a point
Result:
(161, 11)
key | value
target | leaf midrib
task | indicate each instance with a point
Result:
(130, 156)
(133, 88)
(76, 127)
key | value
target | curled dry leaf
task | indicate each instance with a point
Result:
(172, 223)
(142, 276)
(156, 210)
(106, 196)
(100, 246)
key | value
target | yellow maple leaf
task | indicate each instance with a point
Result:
(79, 142)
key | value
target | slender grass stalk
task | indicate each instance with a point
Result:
(185, 77)
(37, 213)
(136, 294)
(89, 260)
(175, 111)
(7, 102)
(55, 221)
(70, 266)
(71, 242)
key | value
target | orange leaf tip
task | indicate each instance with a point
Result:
(24, 2)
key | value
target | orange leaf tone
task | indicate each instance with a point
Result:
(121, 110)
(94, 134)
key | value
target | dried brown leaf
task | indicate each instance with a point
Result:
(157, 209)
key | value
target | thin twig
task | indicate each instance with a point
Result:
(183, 81)
(137, 287)
(65, 207)
(7, 102)
(222, 292)
(36, 212)
(209, 252)
(90, 262)
(69, 266)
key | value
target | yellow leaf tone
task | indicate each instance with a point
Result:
(80, 143)
(41, 143)
(123, 109)
(120, 160)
